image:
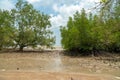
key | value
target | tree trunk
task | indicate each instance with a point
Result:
(0, 47)
(21, 48)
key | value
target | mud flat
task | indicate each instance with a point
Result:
(52, 65)
(53, 76)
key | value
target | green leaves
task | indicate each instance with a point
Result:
(88, 33)
(25, 26)
(32, 26)
(6, 29)
(74, 37)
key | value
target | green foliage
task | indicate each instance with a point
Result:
(31, 26)
(77, 34)
(89, 33)
(25, 26)
(6, 29)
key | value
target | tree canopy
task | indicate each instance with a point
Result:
(6, 29)
(90, 33)
(29, 27)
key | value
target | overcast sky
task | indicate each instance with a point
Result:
(59, 10)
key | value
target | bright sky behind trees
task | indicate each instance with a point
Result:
(59, 10)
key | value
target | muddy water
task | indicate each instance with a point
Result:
(55, 62)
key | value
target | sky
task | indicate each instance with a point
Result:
(59, 10)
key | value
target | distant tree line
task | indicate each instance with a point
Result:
(93, 32)
(24, 26)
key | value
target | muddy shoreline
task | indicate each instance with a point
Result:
(55, 64)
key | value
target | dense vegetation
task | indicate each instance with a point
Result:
(6, 29)
(24, 26)
(92, 33)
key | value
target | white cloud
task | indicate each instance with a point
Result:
(33, 1)
(57, 21)
(6, 4)
(94, 0)
(64, 12)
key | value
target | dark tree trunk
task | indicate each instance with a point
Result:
(1, 47)
(21, 48)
